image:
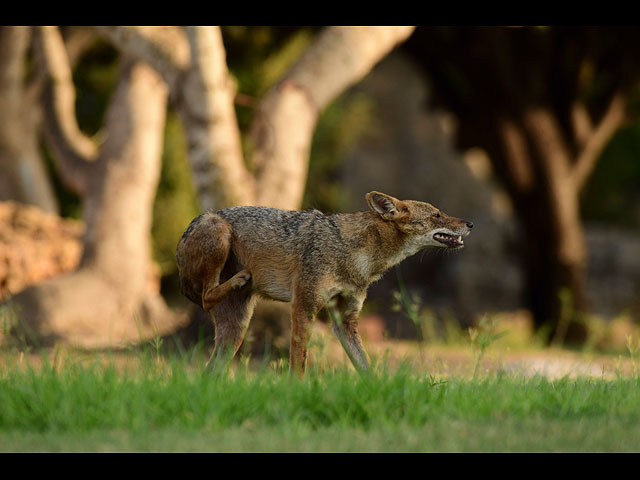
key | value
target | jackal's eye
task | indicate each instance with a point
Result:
(437, 215)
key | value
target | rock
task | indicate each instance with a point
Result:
(613, 279)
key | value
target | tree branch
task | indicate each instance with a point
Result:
(77, 41)
(516, 156)
(554, 162)
(340, 57)
(283, 127)
(206, 106)
(203, 93)
(24, 177)
(14, 42)
(545, 136)
(166, 49)
(73, 151)
(126, 175)
(581, 123)
(597, 140)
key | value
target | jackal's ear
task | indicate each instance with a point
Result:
(388, 207)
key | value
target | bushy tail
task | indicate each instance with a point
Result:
(189, 290)
(187, 287)
(201, 254)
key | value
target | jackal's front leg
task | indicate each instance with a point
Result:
(346, 329)
(302, 317)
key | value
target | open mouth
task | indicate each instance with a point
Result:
(451, 241)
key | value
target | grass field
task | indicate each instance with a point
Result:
(174, 405)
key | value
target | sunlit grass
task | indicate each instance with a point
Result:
(170, 404)
(152, 398)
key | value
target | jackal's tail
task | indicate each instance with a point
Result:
(190, 290)
(201, 254)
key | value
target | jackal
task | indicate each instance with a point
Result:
(227, 258)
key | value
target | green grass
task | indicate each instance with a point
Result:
(177, 407)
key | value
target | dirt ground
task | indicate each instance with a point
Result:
(460, 361)
(437, 360)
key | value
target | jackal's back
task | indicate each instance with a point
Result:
(285, 230)
(280, 246)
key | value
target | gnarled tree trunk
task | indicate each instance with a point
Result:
(113, 297)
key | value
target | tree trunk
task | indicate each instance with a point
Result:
(24, 177)
(535, 165)
(111, 299)
(206, 107)
(555, 285)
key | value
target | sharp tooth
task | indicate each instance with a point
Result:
(459, 238)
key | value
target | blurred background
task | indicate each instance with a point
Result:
(113, 139)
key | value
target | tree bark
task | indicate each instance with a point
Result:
(208, 114)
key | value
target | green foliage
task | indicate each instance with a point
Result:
(257, 56)
(613, 192)
(482, 336)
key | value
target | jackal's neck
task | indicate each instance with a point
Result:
(374, 245)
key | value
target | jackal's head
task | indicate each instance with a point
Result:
(424, 224)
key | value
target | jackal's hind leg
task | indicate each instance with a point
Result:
(214, 292)
(231, 317)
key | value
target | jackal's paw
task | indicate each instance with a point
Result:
(241, 278)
